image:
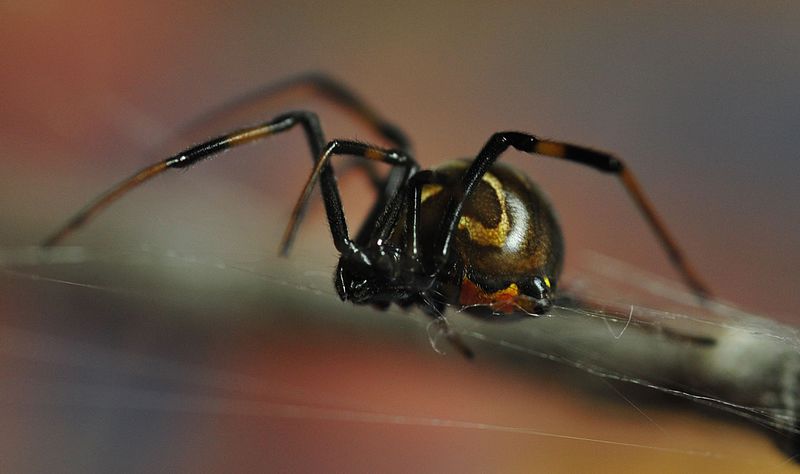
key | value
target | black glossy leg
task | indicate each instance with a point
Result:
(326, 87)
(190, 156)
(500, 142)
(324, 173)
(337, 93)
(376, 225)
(414, 197)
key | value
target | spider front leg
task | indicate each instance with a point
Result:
(336, 93)
(500, 142)
(326, 88)
(383, 220)
(322, 85)
(190, 156)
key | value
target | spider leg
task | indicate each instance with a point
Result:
(375, 225)
(340, 95)
(190, 156)
(319, 84)
(323, 172)
(500, 142)
(414, 196)
(327, 88)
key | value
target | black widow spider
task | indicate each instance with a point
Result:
(476, 234)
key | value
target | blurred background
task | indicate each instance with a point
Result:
(171, 338)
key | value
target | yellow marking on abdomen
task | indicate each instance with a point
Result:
(429, 190)
(480, 234)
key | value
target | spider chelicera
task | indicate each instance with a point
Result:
(472, 233)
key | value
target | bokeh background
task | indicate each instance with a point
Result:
(158, 368)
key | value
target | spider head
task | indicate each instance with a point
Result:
(364, 276)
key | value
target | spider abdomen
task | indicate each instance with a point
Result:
(508, 249)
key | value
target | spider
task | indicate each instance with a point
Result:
(472, 233)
